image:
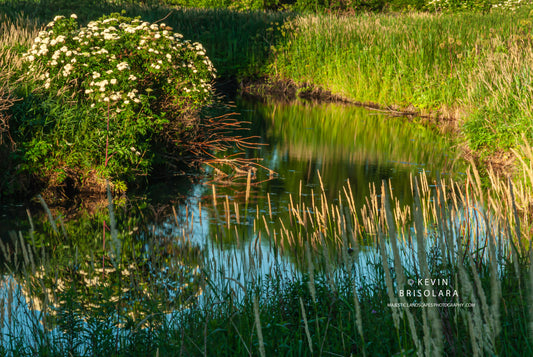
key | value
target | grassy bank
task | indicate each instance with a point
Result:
(471, 66)
(328, 279)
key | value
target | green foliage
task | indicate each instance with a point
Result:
(103, 92)
(432, 62)
(232, 4)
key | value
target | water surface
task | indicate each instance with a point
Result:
(170, 233)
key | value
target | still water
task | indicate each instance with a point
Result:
(233, 224)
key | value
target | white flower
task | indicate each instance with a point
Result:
(132, 77)
(96, 75)
(122, 66)
(73, 16)
(168, 56)
(58, 17)
(113, 81)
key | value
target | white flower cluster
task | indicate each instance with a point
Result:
(509, 5)
(108, 70)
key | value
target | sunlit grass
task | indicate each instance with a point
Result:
(471, 66)
(326, 276)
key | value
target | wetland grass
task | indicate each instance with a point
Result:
(468, 66)
(448, 275)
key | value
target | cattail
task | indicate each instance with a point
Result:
(269, 206)
(236, 208)
(248, 185)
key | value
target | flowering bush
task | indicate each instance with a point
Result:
(131, 78)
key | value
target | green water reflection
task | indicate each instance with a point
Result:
(341, 143)
(165, 248)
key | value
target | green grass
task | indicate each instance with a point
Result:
(470, 66)
(467, 65)
(331, 302)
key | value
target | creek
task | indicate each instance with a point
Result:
(235, 224)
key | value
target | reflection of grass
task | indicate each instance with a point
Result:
(331, 132)
(347, 142)
(476, 63)
(338, 300)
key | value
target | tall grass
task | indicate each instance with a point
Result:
(469, 66)
(447, 275)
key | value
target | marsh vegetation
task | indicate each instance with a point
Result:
(341, 232)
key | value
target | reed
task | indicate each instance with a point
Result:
(329, 274)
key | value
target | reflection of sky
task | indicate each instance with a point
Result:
(235, 261)
(234, 264)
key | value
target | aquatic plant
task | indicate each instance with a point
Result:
(447, 275)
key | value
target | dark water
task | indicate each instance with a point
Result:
(170, 232)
